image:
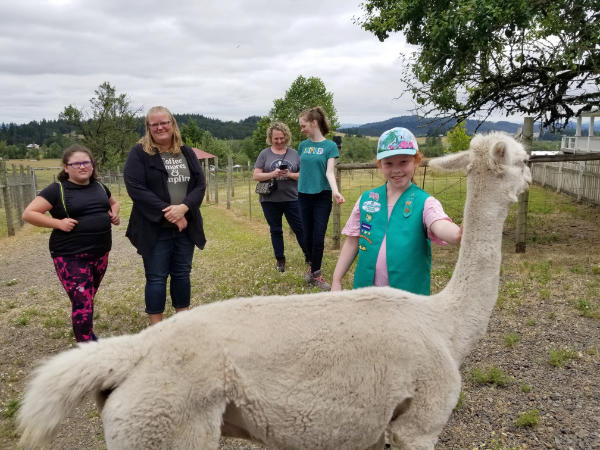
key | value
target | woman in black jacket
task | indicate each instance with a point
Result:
(165, 182)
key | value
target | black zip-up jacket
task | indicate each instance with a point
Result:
(146, 181)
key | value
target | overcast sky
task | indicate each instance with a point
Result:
(225, 59)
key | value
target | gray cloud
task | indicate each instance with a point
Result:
(227, 59)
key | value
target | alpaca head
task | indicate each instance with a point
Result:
(497, 162)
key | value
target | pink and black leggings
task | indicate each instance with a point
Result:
(81, 275)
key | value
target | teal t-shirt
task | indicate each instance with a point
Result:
(313, 165)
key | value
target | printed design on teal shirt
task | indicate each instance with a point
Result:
(314, 150)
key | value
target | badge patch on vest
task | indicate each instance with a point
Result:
(374, 195)
(408, 206)
(365, 226)
(368, 217)
(371, 206)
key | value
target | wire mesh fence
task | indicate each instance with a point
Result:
(236, 191)
(448, 188)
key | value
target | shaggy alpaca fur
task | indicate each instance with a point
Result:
(319, 371)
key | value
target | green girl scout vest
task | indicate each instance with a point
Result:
(408, 247)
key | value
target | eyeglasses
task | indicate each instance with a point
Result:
(154, 126)
(80, 164)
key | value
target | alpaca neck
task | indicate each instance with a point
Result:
(469, 298)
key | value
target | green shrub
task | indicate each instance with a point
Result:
(493, 376)
(560, 356)
(528, 419)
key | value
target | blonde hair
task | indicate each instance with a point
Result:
(147, 141)
(279, 126)
(319, 115)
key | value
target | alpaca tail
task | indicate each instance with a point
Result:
(62, 382)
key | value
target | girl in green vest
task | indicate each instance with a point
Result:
(391, 227)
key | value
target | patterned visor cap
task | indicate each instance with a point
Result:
(397, 141)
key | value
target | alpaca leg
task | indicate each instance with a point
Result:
(200, 432)
(419, 426)
(379, 445)
(175, 430)
(139, 415)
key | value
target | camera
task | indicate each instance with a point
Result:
(283, 167)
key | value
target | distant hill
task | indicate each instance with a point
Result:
(427, 127)
(45, 132)
(219, 128)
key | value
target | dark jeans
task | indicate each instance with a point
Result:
(274, 212)
(171, 255)
(315, 210)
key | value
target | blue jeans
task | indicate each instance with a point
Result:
(171, 255)
(315, 210)
(274, 212)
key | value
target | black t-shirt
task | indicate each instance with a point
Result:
(89, 205)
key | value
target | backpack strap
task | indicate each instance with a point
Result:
(62, 197)
(103, 187)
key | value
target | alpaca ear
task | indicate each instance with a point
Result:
(453, 162)
(499, 153)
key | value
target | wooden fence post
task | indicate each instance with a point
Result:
(250, 197)
(18, 195)
(206, 168)
(523, 204)
(27, 183)
(229, 179)
(33, 182)
(216, 180)
(6, 197)
(119, 176)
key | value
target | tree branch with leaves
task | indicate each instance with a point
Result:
(540, 58)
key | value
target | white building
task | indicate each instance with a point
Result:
(579, 143)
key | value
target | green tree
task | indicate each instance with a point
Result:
(191, 133)
(259, 138)
(358, 149)
(432, 146)
(458, 139)
(109, 130)
(539, 58)
(303, 93)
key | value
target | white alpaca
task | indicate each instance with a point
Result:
(319, 371)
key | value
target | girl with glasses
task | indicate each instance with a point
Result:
(81, 213)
